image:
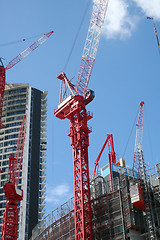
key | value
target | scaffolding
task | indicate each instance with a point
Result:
(114, 217)
(59, 224)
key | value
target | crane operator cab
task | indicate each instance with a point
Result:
(89, 96)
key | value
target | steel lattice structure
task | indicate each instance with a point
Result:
(2, 88)
(139, 136)
(73, 107)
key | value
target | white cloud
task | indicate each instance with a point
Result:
(149, 7)
(58, 194)
(122, 16)
(119, 23)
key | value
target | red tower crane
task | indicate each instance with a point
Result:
(73, 107)
(12, 192)
(13, 63)
(139, 136)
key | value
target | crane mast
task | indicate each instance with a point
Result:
(140, 166)
(12, 192)
(139, 136)
(73, 107)
(2, 88)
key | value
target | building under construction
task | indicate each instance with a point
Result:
(119, 210)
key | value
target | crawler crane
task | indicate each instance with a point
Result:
(73, 107)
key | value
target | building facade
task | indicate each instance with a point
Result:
(20, 100)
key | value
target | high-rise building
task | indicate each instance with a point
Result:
(20, 100)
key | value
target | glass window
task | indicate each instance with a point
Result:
(20, 90)
(11, 136)
(13, 142)
(12, 125)
(16, 102)
(14, 118)
(12, 130)
(16, 107)
(16, 113)
(17, 96)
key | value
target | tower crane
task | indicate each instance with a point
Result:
(73, 107)
(12, 192)
(144, 202)
(12, 63)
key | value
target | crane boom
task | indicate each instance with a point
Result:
(91, 45)
(12, 63)
(28, 50)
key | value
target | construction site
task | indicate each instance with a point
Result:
(115, 213)
(116, 202)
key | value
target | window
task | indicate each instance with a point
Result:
(11, 136)
(11, 149)
(20, 90)
(12, 130)
(12, 125)
(17, 96)
(6, 156)
(16, 102)
(13, 142)
(16, 107)
(16, 113)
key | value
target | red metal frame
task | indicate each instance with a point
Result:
(74, 108)
(10, 220)
(76, 112)
(111, 155)
(12, 193)
(2, 88)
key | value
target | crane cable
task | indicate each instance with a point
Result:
(18, 41)
(76, 37)
(134, 123)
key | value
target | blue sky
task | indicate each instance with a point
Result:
(126, 71)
